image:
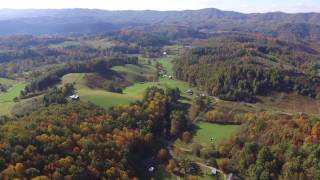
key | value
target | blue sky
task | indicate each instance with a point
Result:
(235, 5)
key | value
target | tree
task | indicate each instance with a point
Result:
(315, 133)
(196, 149)
(184, 164)
(198, 105)
(173, 94)
(186, 137)
(178, 122)
(40, 178)
(32, 172)
(163, 154)
(223, 164)
(171, 165)
(215, 115)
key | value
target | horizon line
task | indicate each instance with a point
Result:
(157, 10)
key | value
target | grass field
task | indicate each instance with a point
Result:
(6, 81)
(130, 94)
(206, 131)
(166, 63)
(107, 99)
(202, 135)
(99, 97)
(65, 44)
(134, 72)
(6, 99)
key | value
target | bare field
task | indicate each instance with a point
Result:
(292, 103)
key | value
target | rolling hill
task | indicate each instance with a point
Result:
(238, 66)
(93, 20)
(298, 31)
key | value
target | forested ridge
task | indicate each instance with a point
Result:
(239, 66)
(99, 21)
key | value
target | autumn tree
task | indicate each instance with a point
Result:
(186, 137)
(163, 154)
(171, 165)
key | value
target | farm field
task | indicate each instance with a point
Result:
(99, 97)
(130, 94)
(7, 81)
(108, 99)
(206, 131)
(291, 103)
(167, 63)
(202, 135)
(6, 99)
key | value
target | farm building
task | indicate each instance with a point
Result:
(214, 171)
(75, 97)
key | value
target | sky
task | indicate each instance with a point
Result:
(246, 6)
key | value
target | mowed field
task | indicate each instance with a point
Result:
(206, 131)
(130, 94)
(6, 99)
(99, 97)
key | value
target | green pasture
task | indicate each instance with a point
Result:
(6, 99)
(206, 131)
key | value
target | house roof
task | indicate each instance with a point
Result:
(74, 96)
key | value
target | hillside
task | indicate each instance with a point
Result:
(93, 21)
(239, 66)
(298, 31)
(81, 141)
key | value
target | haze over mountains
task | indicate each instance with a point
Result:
(304, 25)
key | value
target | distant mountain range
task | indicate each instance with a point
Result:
(300, 25)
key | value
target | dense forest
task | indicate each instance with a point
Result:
(269, 147)
(239, 66)
(81, 141)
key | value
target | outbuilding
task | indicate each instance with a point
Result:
(189, 91)
(75, 97)
(214, 171)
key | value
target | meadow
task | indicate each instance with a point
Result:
(206, 131)
(6, 81)
(6, 99)
(131, 93)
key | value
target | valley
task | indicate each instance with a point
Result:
(200, 94)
